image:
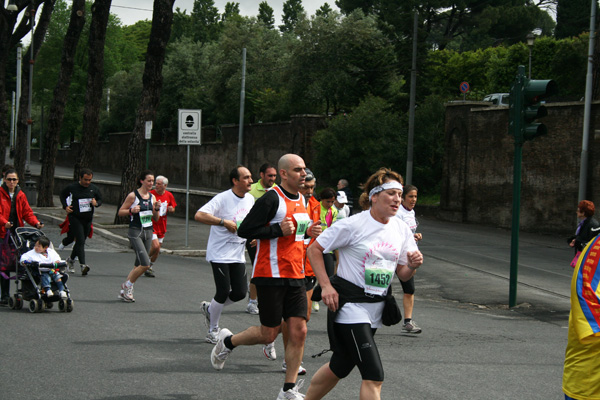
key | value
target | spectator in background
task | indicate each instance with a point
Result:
(343, 185)
(14, 209)
(341, 203)
(587, 227)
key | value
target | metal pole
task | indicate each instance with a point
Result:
(242, 98)
(516, 216)
(29, 120)
(12, 121)
(187, 198)
(41, 143)
(411, 106)
(108, 100)
(19, 79)
(517, 120)
(529, 62)
(588, 106)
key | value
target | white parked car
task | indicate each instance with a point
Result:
(499, 99)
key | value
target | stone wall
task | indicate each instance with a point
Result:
(477, 174)
(211, 162)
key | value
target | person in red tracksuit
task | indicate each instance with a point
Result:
(14, 209)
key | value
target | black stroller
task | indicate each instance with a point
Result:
(27, 277)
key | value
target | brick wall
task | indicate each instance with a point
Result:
(477, 174)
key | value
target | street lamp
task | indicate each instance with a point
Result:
(530, 41)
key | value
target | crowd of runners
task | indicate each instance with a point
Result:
(304, 249)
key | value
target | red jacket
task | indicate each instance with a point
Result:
(24, 212)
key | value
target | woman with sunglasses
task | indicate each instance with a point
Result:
(14, 209)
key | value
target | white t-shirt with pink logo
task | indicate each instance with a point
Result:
(369, 253)
(224, 246)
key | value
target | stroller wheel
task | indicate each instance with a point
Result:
(33, 306)
(61, 305)
(19, 304)
(12, 303)
(69, 305)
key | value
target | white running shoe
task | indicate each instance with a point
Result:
(220, 352)
(49, 293)
(213, 336)
(411, 327)
(269, 351)
(301, 369)
(61, 246)
(71, 265)
(252, 308)
(204, 310)
(315, 306)
(126, 293)
(293, 393)
(63, 294)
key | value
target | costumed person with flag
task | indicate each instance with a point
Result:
(581, 376)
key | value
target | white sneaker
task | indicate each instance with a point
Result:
(315, 306)
(301, 369)
(204, 310)
(63, 294)
(71, 265)
(213, 336)
(61, 246)
(293, 393)
(220, 352)
(269, 351)
(252, 308)
(126, 293)
(49, 293)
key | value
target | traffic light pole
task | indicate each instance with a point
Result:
(516, 126)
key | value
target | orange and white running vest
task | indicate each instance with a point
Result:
(314, 212)
(282, 257)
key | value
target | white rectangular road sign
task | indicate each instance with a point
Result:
(190, 123)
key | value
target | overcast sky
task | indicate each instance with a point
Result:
(131, 11)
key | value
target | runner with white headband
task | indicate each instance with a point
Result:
(373, 245)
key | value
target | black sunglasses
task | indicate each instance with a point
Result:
(11, 179)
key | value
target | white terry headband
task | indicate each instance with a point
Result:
(385, 186)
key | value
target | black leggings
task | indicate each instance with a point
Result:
(230, 280)
(79, 230)
(358, 349)
(329, 261)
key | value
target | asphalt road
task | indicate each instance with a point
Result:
(472, 345)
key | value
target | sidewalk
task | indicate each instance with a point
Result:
(175, 239)
(196, 235)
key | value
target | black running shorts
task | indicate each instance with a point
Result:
(277, 303)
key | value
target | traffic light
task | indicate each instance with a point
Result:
(533, 92)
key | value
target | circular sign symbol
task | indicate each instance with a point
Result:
(189, 121)
(464, 87)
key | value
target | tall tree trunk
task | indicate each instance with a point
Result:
(162, 19)
(93, 94)
(22, 122)
(9, 37)
(59, 101)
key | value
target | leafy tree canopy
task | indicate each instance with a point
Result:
(265, 15)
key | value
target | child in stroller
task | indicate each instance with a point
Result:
(41, 277)
(46, 258)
